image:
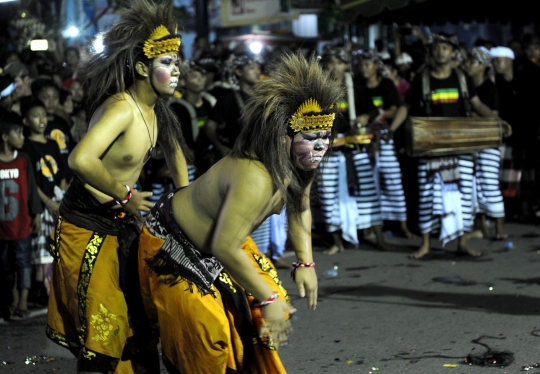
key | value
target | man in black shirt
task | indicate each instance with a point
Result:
(490, 200)
(525, 143)
(382, 104)
(223, 125)
(506, 80)
(445, 197)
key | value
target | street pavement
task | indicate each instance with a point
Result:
(384, 313)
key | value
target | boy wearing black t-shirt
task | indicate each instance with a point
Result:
(57, 128)
(48, 168)
(445, 189)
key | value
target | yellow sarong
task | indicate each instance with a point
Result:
(212, 333)
(87, 309)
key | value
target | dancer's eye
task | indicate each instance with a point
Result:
(317, 135)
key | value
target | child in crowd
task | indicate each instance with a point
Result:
(57, 128)
(46, 161)
(19, 218)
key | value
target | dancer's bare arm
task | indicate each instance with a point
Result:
(178, 167)
(246, 202)
(86, 159)
(299, 233)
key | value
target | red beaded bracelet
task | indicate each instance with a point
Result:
(296, 265)
(270, 300)
(127, 198)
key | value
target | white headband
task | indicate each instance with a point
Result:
(404, 58)
(502, 52)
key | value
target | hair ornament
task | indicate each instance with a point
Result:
(154, 47)
(300, 122)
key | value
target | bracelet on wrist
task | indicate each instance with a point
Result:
(124, 202)
(270, 300)
(297, 265)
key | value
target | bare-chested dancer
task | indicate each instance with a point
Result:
(127, 86)
(218, 301)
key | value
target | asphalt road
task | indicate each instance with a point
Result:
(384, 313)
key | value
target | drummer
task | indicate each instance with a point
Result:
(445, 184)
(346, 185)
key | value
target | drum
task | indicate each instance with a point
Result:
(440, 136)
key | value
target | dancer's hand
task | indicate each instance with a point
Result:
(306, 281)
(387, 136)
(137, 203)
(362, 120)
(53, 207)
(276, 325)
(506, 128)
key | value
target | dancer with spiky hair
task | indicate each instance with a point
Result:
(218, 301)
(92, 305)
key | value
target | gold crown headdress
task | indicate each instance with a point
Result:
(153, 48)
(302, 123)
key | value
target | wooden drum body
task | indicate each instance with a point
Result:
(439, 136)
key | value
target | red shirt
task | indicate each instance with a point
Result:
(20, 201)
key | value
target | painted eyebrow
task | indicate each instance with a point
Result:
(317, 134)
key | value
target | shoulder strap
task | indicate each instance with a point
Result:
(464, 91)
(210, 98)
(426, 90)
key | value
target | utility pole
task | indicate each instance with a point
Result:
(201, 10)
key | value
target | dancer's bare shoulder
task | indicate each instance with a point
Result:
(241, 172)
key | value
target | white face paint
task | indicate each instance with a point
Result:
(165, 73)
(308, 148)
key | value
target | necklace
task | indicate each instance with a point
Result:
(152, 150)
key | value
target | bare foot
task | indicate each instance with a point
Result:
(407, 233)
(421, 252)
(333, 250)
(368, 234)
(405, 230)
(501, 236)
(464, 249)
(499, 230)
(475, 234)
(384, 246)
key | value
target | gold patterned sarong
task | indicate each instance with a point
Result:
(215, 332)
(87, 309)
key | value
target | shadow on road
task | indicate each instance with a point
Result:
(510, 304)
